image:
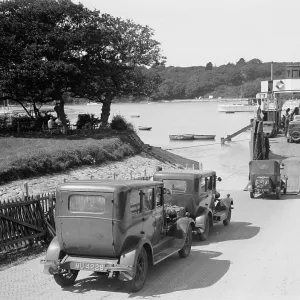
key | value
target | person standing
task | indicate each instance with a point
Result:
(287, 121)
(50, 123)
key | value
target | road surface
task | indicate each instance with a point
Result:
(255, 257)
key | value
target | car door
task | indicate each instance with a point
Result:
(135, 226)
(203, 194)
(148, 213)
(159, 216)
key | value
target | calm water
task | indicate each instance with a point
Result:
(230, 161)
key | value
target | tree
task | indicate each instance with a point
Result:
(209, 66)
(241, 62)
(118, 64)
(52, 47)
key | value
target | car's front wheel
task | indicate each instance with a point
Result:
(66, 278)
(186, 249)
(204, 235)
(140, 272)
(251, 195)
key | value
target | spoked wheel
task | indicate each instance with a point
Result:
(66, 278)
(227, 220)
(203, 236)
(186, 249)
(251, 195)
(141, 269)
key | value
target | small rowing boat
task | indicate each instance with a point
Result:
(204, 137)
(181, 137)
(144, 128)
(135, 116)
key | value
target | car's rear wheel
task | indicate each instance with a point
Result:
(141, 268)
(204, 235)
(251, 195)
(66, 278)
(227, 220)
(186, 249)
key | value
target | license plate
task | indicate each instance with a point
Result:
(88, 266)
(263, 190)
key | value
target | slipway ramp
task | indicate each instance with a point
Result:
(291, 169)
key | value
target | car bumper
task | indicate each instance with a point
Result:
(108, 266)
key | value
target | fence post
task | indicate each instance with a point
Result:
(114, 175)
(24, 187)
(145, 172)
(193, 166)
(186, 166)
(130, 175)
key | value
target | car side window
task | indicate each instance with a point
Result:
(148, 199)
(201, 185)
(135, 202)
(158, 197)
(210, 183)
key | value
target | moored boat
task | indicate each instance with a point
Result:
(181, 137)
(135, 116)
(144, 128)
(204, 136)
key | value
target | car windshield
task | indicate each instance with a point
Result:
(175, 185)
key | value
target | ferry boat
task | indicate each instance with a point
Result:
(242, 106)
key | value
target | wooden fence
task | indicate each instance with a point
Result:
(27, 220)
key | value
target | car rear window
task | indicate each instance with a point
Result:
(175, 185)
(87, 203)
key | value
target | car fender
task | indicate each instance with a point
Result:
(54, 252)
(201, 216)
(129, 258)
(180, 228)
(53, 256)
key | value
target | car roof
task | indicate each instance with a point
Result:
(185, 172)
(107, 185)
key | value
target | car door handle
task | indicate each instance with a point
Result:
(142, 232)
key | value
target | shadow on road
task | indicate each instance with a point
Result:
(272, 197)
(200, 269)
(234, 231)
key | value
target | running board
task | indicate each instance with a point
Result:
(164, 254)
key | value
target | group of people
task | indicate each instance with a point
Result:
(288, 117)
(52, 123)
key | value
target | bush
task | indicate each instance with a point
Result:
(86, 120)
(118, 122)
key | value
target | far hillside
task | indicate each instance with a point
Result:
(227, 81)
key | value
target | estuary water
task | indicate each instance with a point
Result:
(229, 160)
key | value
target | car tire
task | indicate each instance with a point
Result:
(66, 278)
(288, 140)
(141, 268)
(186, 249)
(278, 195)
(204, 235)
(228, 219)
(251, 195)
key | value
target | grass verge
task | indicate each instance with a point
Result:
(27, 157)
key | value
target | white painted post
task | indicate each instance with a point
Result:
(193, 166)
(130, 175)
(114, 175)
(24, 188)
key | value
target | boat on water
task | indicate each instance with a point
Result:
(249, 106)
(181, 137)
(144, 128)
(188, 137)
(204, 136)
(135, 116)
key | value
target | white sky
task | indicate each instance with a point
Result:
(194, 32)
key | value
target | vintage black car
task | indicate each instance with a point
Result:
(196, 191)
(116, 227)
(265, 178)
